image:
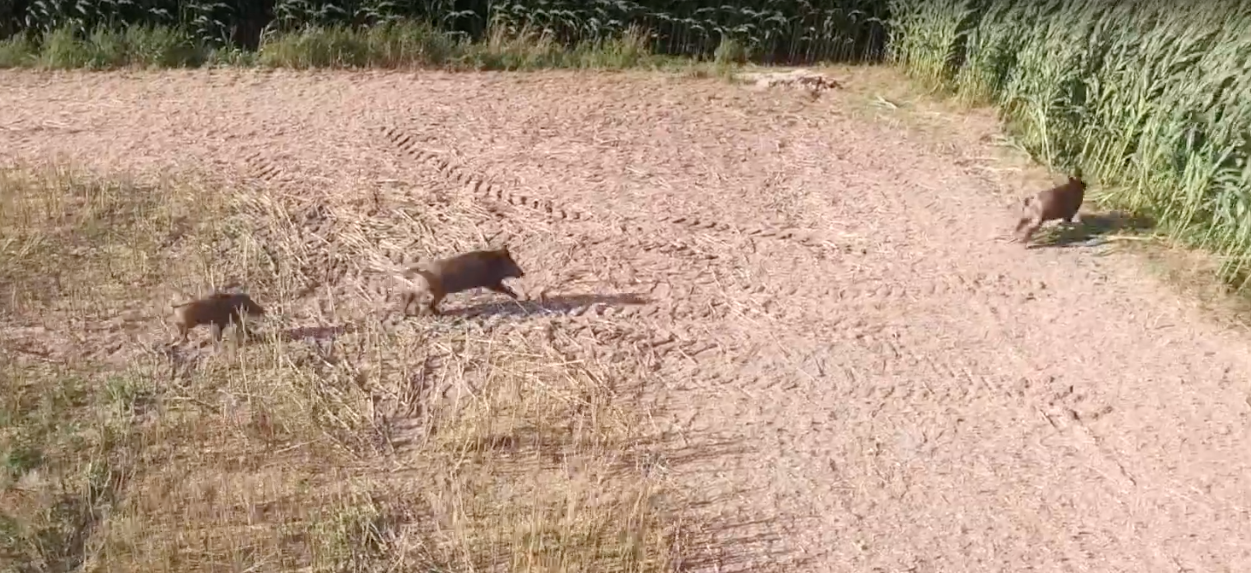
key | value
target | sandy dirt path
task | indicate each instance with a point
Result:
(873, 382)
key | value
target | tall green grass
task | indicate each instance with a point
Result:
(1151, 99)
(403, 45)
(770, 30)
(393, 45)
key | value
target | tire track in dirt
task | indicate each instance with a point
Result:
(633, 236)
(868, 295)
(630, 238)
(263, 167)
(478, 185)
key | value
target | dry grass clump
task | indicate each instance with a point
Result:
(386, 446)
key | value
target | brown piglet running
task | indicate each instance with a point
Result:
(486, 269)
(1059, 202)
(218, 310)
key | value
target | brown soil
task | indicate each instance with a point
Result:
(886, 385)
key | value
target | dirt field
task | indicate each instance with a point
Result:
(813, 302)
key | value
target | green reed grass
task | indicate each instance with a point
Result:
(389, 46)
(791, 30)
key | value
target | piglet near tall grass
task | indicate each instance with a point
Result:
(1060, 202)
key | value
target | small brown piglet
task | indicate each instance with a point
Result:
(486, 269)
(218, 310)
(1059, 202)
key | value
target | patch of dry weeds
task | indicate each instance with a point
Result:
(391, 446)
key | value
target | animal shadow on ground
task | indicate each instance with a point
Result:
(552, 303)
(182, 353)
(1093, 225)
